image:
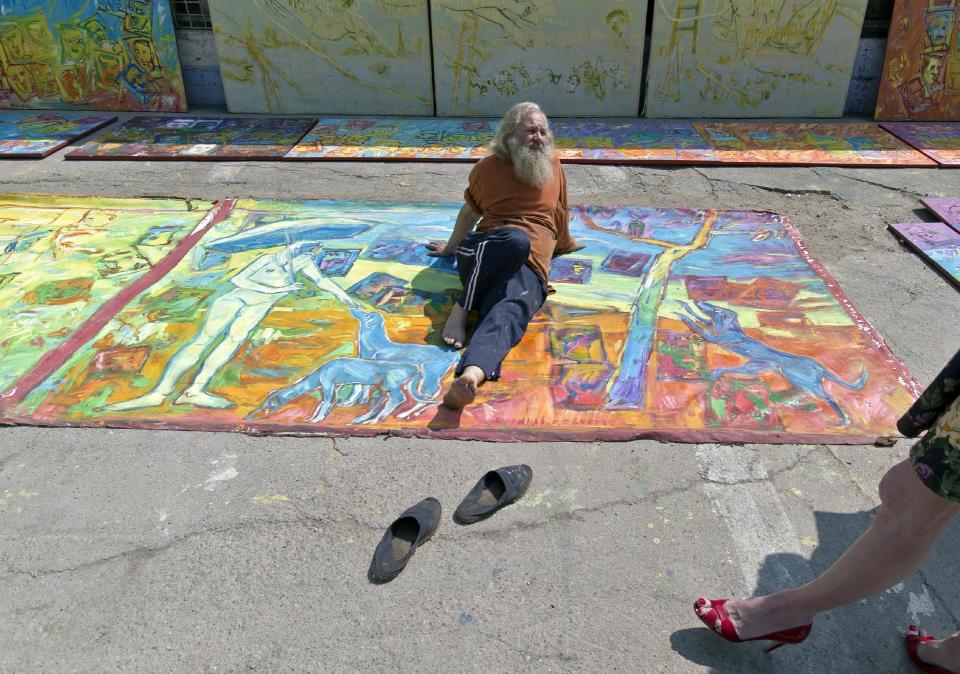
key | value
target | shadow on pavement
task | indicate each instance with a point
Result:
(866, 636)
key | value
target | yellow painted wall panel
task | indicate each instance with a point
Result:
(324, 57)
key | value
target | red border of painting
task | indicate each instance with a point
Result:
(65, 143)
(277, 156)
(466, 160)
(926, 258)
(926, 163)
(26, 383)
(929, 153)
(56, 357)
(894, 363)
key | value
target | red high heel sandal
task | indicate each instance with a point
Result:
(913, 640)
(793, 635)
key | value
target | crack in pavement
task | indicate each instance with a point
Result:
(9, 459)
(769, 188)
(869, 182)
(147, 552)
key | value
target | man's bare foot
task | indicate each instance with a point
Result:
(455, 329)
(463, 390)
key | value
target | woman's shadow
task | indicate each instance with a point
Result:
(866, 636)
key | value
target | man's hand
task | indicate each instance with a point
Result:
(439, 249)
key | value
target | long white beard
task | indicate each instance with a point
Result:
(534, 167)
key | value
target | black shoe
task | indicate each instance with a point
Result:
(414, 526)
(496, 489)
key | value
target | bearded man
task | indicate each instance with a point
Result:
(513, 222)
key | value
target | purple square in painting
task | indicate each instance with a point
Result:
(391, 248)
(627, 264)
(571, 270)
(947, 209)
(337, 261)
(407, 251)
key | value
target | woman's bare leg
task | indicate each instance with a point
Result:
(907, 525)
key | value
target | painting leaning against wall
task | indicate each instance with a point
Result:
(89, 54)
(574, 58)
(754, 58)
(324, 317)
(369, 57)
(921, 70)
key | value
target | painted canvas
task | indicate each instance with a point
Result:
(937, 242)
(315, 56)
(212, 138)
(921, 69)
(600, 141)
(40, 134)
(945, 208)
(384, 138)
(324, 317)
(939, 141)
(573, 58)
(759, 58)
(89, 54)
(63, 258)
(833, 144)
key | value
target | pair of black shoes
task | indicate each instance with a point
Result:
(417, 524)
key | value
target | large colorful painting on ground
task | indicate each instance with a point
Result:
(62, 258)
(921, 69)
(89, 54)
(324, 317)
(937, 242)
(574, 58)
(945, 208)
(600, 141)
(833, 144)
(759, 58)
(316, 56)
(40, 134)
(940, 142)
(196, 138)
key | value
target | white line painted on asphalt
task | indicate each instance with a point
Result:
(759, 527)
(920, 604)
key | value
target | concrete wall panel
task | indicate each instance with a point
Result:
(753, 58)
(572, 57)
(323, 57)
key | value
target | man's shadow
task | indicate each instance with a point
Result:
(438, 288)
(865, 636)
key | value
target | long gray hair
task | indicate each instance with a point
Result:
(508, 127)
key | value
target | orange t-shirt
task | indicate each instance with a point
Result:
(503, 200)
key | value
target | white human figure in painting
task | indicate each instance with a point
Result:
(231, 318)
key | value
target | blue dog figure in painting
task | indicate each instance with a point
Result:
(395, 380)
(374, 343)
(721, 326)
(383, 368)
